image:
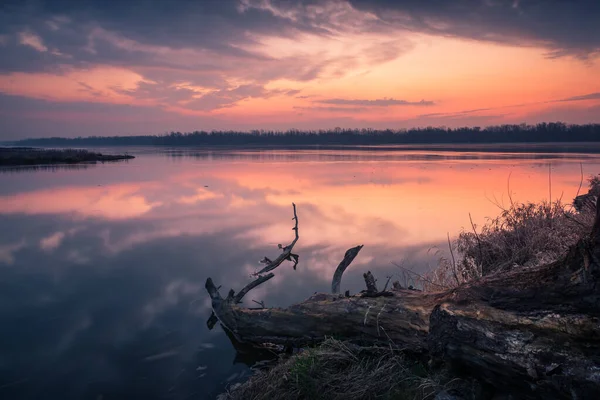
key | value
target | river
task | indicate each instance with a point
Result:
(102, 268)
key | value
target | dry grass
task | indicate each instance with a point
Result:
(338, 370)
(523, 235)
(12, 156)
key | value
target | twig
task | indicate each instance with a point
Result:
(261, 279)
(495, 202)
(378, 314)
(581, 180)
(349, 256)
(418, 275)
(570, 218)
(260, 303)
(287, 250)
(550, 181)
(370, 283)
(387, 283)
(453, 260)
(508, 188)
(366, 314)
(478, 242)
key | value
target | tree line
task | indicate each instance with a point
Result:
(539, 133)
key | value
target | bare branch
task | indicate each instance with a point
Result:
(596, 227)
(478, 243)
(212, 290)
(261, 279)
(260, 303)
(421, 277)
(581, 180)
(387, 283)
(287, 251)
(550, 182)
(370, 282)
(453, 260)
(509, 192)
(337, 275)
(212, 321)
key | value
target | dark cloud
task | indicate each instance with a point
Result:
(150, 33)
(195, 35)
(160, 92)
(591, 96)
(376, 103)
(562, 27)
(334, 109)
(26, 117)
(227, 97)
(458, 113)
(202, 44)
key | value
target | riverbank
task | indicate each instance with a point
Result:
(26, 156)
(493, 289)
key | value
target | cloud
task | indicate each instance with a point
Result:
(590, 96)
(561, 27)
(376, 103)
(7, 251)
(32, 40)
(52, 242)
(203, 35)
(460, 113)
(194, 56)
(116, 202)
(226, 98)
(203, 57)
(160, 92)
(200, 195)
(334, 109)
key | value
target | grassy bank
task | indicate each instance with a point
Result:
(18, 156)
(524, 235)
(339, 370)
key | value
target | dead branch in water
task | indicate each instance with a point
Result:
(287, 251)
(532, 331)
(337, 275)
(261, 279)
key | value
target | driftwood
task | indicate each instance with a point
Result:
(534, 332)
(287, 251)
(337, 275)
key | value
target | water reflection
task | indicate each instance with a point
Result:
(329, 154)
(102, 270)
(52, 168)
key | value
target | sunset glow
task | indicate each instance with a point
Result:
(267, 64)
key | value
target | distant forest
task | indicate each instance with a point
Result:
(540, 133)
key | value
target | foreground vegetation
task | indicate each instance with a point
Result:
(17, 156)
(340, 370)
(539, 133)
(524, 237)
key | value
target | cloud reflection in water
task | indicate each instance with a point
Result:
(102, 270)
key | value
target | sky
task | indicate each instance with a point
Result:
(95, 67)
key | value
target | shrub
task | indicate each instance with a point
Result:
(339, 370)
(523, 235)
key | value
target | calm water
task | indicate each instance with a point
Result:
(102, 269)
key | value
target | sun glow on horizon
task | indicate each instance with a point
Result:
(328, 65)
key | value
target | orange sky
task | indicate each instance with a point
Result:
(370, 73)
(359, 199)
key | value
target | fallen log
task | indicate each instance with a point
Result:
(535, 332)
